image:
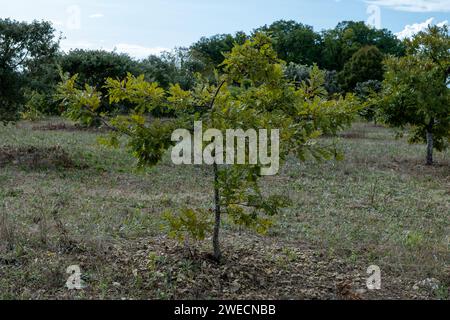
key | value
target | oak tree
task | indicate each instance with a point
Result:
(252, 93)
(416, 89)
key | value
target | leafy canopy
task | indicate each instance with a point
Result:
(295, 42)
(416, 87)
(24, 49)
(341, 43)
(252, 93)
(365, 65)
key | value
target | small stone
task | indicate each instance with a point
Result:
(428, 284)
(235, 286)
(361, 291)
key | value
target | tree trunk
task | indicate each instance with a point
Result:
(216, 242)
(429, 148)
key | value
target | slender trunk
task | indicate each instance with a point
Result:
(429, 148)
(216, 242)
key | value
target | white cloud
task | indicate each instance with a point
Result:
(415, 28)
(70, 45)
(96, 15)
(136, 51)
(414, 5)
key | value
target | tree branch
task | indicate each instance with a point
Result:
(211, 105)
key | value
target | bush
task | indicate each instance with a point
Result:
(11, 97)
(366, 91)
(366, 64)
(25, 48)
(33, 108)
(298, 73)
(94, 66)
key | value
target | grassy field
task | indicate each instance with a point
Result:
(65, 200)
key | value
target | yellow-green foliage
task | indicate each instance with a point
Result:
(189, 223)
(35, 102)
(416, 88)
(252, 93)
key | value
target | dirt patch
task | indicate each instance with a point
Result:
(353, 135)
(258, 268)
(159, 268)
(33, 157)
(254, 268)
(68, 128)
(409, 166)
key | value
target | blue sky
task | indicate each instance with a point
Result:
(142, 27)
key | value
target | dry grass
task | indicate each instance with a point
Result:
(34, 158)
(380, 205)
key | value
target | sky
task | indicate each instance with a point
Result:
(144, 27)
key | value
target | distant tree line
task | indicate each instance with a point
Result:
(31, 62)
